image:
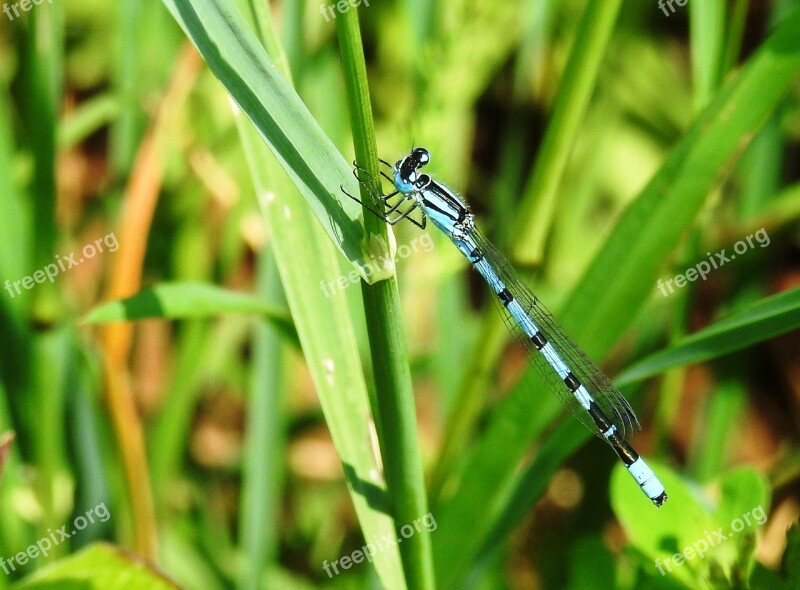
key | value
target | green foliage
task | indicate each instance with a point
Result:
(705, 536)
(99, 567)
(183, 301)
(251, 416)
(761, 320)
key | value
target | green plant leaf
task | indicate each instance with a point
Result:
(189, 300)
(760, 321)
(625, 271)
(575, 89)
(692, 534)
(99, 567)
(393, 403)
(707, 31)
(308, 156)
(616, 285)
(324, 323)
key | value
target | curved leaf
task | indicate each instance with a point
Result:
(763, 320)
(315, 166)
(616, 285)
(99, 567)
(189, 300)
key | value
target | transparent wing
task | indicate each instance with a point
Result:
(608, 398)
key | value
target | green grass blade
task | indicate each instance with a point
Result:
(614, 288)
(305, 256)
(46, 395)
(735, 34)
(306, 259)
(294, 37)
(759, 172)
(394, 394)
(85, 428)
(15, 215)
(625, 271)
(313, 163)
(204, 352)
(760, 321)
(580, 75)
(710, 445)
(707, 33)
(266, 431)
(125, 132)
(43, 84)
(262, 477)
(189, 300)
(87, 118)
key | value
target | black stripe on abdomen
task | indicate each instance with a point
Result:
(539, 340)
(621, 447)
(572, 382)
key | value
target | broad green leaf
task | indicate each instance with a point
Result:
(99, 567)
(308, 156)
(697, 529)
(745, 495)
(305, 257)
(760, 321)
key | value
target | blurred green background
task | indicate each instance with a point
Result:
(197, 389)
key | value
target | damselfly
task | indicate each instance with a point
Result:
(563, 365)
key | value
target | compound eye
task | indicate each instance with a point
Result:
(402, 184)
(422, 156)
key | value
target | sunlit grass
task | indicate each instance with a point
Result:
(248, 426)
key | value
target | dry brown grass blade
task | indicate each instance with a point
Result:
(140, 198)
(6, 439)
